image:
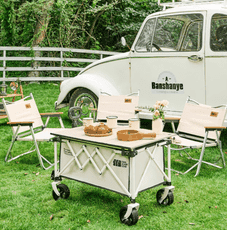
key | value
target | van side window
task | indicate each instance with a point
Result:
(146, 35)
(218, 32)
(193, 38)
(167, 34)
(170, 32)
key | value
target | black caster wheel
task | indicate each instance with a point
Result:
(63, 190)
(132, 219)
(168, 200)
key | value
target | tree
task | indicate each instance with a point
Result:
(88, 24)
(124, 19)
(42, 11)
(72, 23)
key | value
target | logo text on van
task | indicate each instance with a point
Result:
(166, 83)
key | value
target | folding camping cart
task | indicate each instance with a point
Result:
(125, 167)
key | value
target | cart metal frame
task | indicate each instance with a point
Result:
(81, 152)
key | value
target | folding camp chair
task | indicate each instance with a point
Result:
(27, 125)
(122, 106)
(200, 127)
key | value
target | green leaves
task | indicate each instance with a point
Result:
(91, 24)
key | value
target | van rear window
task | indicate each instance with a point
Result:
(218, 33)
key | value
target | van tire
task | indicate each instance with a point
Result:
(84, 99)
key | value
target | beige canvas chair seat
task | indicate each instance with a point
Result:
(200, 126)
(27, 125)
(187, 143)
(41, 136)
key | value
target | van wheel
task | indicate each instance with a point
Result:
(84, 99)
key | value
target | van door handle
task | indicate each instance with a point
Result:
(195, 58)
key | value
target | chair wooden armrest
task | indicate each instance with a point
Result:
(57, 114)
(22, 123)
(137, 110)
(172, 119)
(92, 109)
(212, 128)
(3, 116)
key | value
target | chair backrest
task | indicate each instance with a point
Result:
(195, 117)
(23, 110)
(122, 106)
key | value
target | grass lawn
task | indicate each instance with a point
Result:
(26, 200)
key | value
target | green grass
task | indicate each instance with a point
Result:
(26, 200)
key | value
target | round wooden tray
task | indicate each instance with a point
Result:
(98, 135)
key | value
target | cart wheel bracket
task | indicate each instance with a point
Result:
(165, 194)
(129, 210)
(54, 186)
(54, 177)
(167, 183)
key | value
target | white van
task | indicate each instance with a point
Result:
(178, 52)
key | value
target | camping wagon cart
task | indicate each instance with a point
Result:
(125, 167)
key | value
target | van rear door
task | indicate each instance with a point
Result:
(216, 60)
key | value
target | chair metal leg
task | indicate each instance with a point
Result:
(10, 148)
(61, 122)
(173, 127)
(36, 147)
(202, 153)
(220, 148)
(12, 143)
(40, 157)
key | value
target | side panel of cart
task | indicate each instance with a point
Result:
(116, 176)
